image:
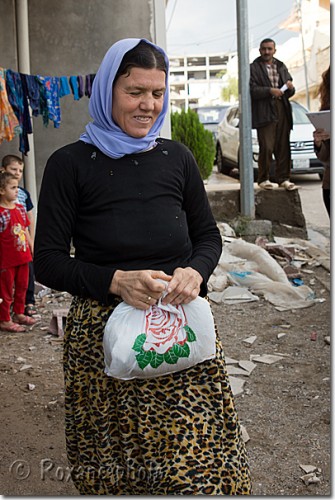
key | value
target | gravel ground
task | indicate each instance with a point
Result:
(284, 406)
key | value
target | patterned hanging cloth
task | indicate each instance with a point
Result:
(51, 86)
(9, 124)
(19, 103)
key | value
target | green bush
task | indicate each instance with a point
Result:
(186, 128)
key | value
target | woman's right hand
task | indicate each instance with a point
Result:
(139, 289)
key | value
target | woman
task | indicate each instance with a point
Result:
(322, 139)
(135, 208)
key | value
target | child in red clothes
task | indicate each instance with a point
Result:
(15, 243)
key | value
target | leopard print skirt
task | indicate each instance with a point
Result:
(177, 434)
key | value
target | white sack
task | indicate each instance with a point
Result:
(266, 264)
(161, 340)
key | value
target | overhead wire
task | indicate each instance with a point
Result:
(171, 17)
(228, 34)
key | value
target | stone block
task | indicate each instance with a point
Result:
(283, 208)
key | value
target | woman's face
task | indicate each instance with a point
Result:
(138, 100)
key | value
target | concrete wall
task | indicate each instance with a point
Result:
(282, 208)
(68, 37)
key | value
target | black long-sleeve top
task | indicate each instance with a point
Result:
(142, 211)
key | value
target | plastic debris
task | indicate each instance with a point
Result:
(297, 281)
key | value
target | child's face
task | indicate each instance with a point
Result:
(9, 193)
(15, 169)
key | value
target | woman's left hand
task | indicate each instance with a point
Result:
(183, 287)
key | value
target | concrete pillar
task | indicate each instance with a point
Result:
(22, 33)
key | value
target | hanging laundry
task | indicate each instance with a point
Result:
(64, 87)
(74, 87)
(18, 91)
(9, 124)
(31, 89)
(81, 89)
(51, 85)
(19, 103)
(88, 84)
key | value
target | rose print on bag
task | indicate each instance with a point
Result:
(166, 337)
(163, 329)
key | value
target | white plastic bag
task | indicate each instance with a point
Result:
(161, 340)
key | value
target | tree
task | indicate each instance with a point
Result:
(186, 128)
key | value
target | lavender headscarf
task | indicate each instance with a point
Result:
(103, 132)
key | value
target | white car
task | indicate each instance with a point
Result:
(304, 160)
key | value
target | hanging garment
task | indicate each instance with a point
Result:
(44, 110)
(31, 89)
(9, 124)
(51, 86)
(88, 84)
(81, 91)
(19, 103)
(64, 86)
(74, 87)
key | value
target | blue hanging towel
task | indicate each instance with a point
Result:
(64, 87)
(74, 87)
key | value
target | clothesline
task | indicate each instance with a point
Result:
(42, 94)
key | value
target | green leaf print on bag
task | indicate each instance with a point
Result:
(139, 341)
(190, 334)
(144, 358)
(166, 338)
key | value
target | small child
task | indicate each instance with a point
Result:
(14, 164)
(15, 254)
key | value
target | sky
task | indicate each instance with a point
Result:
(209, 26)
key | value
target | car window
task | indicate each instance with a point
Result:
(299, 114)
(222, 112)
(232, 114)
(211, 115)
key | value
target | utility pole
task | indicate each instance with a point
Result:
(245, 161)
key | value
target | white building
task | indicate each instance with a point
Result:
(199, 79)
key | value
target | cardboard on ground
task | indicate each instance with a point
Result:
(320, 119)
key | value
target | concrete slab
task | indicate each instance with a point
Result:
(283, 208)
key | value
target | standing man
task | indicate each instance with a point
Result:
(271, 87)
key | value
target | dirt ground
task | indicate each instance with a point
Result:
(284, 406)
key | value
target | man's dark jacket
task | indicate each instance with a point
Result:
(263, 105)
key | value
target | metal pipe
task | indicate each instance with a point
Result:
(245, 160)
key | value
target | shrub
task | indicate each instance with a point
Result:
(186, 128)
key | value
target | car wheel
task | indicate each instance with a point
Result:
(321, 176)
(222, 168)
